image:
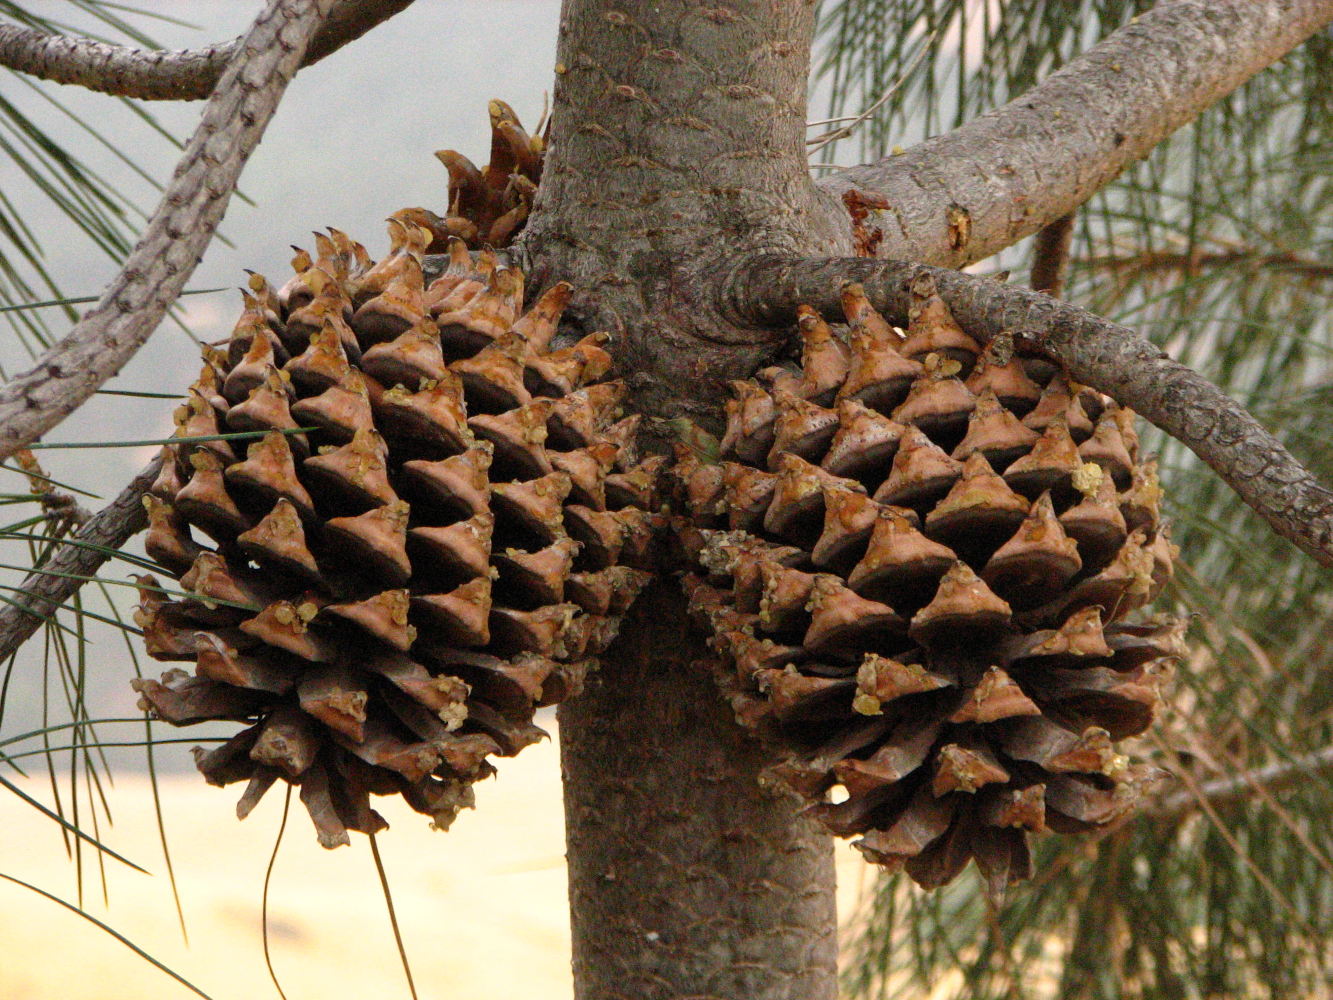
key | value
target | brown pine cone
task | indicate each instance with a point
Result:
(917, 558)
(433, 529)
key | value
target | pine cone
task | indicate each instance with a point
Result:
(916, 559)
(436, 530)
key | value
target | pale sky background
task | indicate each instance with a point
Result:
(483, 907)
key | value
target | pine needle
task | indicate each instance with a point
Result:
(68, 826)
(268, 877)
(393, 916)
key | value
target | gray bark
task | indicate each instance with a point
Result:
(179, 231)
(685, 879)
(1092, 350)
(963, 196)
(677, 142)
(186, 75)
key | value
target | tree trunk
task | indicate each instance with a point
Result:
(677, 145)
(686, 879)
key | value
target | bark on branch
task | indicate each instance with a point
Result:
(41, 593)
(959, 197)
(1222, 792)
(183, 75)
(179, 231)
(766, 289)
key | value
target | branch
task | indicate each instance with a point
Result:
(42, 593)
(1242, 257)
(766, 289)
(1228, 791)
(963, 196)
(179, 231)
(1050, 256)
(183, 75)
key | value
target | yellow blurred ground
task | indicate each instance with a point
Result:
(482, 907)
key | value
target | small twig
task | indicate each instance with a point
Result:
(43, 591)
(1224, 792)
(179, 231)
(1199, 260)
(61, 510)
(820, 141)
(183, 75)
(1050, 256)
(765, 290)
